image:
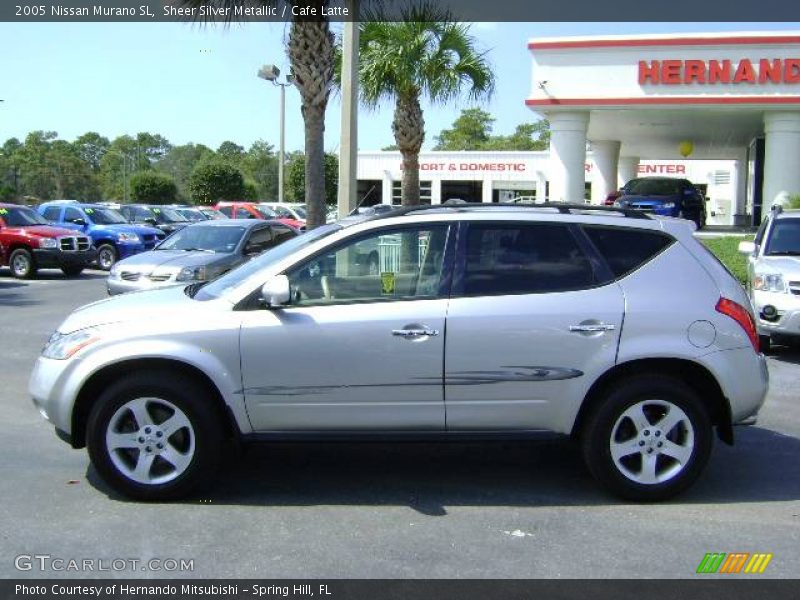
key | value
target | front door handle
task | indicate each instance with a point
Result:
(415, 333)
(591, 327)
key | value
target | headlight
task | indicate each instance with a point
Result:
(771, 282)
(128, 237)
(63, 346)
(114, 272)
(617, 203)
(192, 274)
(668, 205)
(48, 243)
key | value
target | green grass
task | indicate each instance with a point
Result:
(727, 250)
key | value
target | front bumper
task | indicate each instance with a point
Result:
(120, 286)
(787, 321)
(126, 249)
(49, 387)
(55, 259)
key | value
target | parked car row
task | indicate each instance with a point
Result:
(73, 235)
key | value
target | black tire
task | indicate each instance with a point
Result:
(22, 264)
(196, 405)
(700, 222)
(597, 434)
(72, 271)
(106, 256)
(764, 343)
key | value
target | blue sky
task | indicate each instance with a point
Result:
(198, 84)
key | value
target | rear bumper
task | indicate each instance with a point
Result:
(53, 258)
(744, 379)
(787, 321)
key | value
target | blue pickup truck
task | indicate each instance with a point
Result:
(113, 237)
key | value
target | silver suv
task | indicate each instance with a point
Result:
(611, 326)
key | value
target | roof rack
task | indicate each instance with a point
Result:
(563, 208)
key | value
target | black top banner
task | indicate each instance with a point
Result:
(351, 10)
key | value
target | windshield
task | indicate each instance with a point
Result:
(191, 214)
(784, 238)
(21, 216)
(236, 277)
(168, 215)
(266, 212)
(158, 214)
(653, 187)
(105, 216)
(204, 237)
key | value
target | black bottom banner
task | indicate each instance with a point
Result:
(394, 589)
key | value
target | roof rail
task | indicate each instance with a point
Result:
(562, 207)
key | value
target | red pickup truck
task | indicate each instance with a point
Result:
(28, 242)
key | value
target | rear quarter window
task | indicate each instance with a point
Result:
(625, 250)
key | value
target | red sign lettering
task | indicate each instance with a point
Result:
(686, 72)
(669, 169)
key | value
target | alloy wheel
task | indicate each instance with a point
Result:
(150, 440)
(652, 442)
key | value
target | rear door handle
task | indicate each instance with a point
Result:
(414, 333)
(591, 328)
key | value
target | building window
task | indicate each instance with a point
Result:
(424, 192)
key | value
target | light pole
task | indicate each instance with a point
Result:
(272, 73)
(125, 158)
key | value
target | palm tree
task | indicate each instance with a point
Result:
(312, 54)
(426, 54)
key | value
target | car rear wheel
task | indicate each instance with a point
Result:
(72, 271)
(106, 256)
(154, 436)
(22, 264)
(649, 439)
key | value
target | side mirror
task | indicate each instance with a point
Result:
(747, 247)
(78, 221)
(151, 221)
(275, 292)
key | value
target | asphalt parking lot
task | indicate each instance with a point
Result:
(402, 510)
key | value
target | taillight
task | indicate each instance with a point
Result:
(742, 316)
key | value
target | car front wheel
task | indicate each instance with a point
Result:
(106, 257)
(154, 436)
(649, 439)
(22, 264)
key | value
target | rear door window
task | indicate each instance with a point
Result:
(625, 249)
(523, 258)
(51, 213)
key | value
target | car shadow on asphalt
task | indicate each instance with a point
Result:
(7, 278)
(786, 354)
(429, 477)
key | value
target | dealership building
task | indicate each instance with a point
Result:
(721, 110)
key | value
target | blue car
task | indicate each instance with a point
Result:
(113, 237)
(665, 196)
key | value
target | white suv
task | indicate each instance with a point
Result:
(773, 276)
(608, 325)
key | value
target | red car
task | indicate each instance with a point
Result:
(251, 210)
(29, 242)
